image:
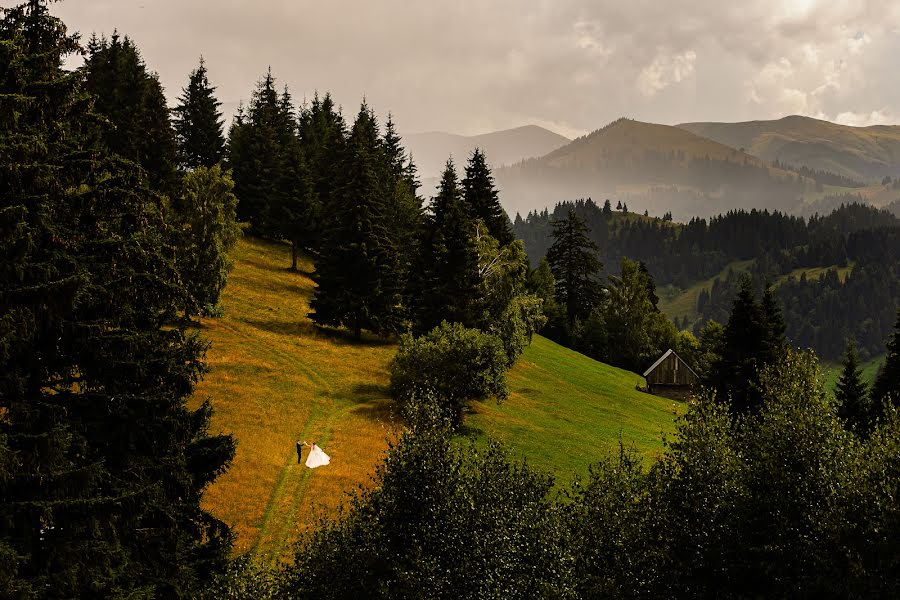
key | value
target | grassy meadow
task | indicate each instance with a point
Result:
(275, 378)
(566, 410)
(684, 303)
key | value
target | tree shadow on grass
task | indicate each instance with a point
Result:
(383, 411)
(363, 393)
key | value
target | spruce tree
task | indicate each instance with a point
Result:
(357, 270)
(270, 179)
(103, 463)
(747, 346)
(447, 277)
(573, 260)
(323, 136)
(198, 122)
(886, 389)
(852, 393)
(483, 199)
(295, 210)
(131, 97)
(404, 209)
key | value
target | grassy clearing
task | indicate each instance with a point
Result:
(275, 378)
(832, 371)
(566, 411)
(816, 273)
(684, 304)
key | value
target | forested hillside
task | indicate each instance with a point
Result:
(820, 312)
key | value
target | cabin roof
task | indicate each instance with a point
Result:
(664, 357)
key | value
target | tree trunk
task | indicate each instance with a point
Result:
(357, 328)
(294, 251)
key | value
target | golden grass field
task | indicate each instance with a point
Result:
(275, 378)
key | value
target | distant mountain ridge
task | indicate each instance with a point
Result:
(649, 166)
(864, 153)
(430, 150)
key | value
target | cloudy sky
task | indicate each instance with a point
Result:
(472, 66)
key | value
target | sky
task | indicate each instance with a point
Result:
(474, 66)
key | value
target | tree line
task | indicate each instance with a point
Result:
(819, 314)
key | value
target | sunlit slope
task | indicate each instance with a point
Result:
(566, 411)
(274, 378)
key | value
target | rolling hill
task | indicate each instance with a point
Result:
(431, 150)
(649, 166)
(863, 153)
(275, 378)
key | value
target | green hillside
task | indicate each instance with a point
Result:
(565, 410)
(274, 378)
(683, 303)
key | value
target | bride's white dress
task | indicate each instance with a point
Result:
(317, 458)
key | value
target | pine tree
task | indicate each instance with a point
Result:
(132, 98)
(573, 260)
(198, 122)
(607, 210)
(447, 281)
(357, 270)
(103, 463)
(294, 209)
(272, 177)
(404, 210)
(746, 349)
(852, 393)
(323, 136)
(483, 199)
(886, 388)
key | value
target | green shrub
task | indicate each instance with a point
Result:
(454, 364)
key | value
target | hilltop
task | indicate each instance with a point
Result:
(864, 153)
(650, 166)
(275, 378)
(431, 150)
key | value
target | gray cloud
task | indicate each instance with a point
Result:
(571, 65)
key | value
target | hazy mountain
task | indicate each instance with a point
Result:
(649, 166)
(864, 153)
(431, 150)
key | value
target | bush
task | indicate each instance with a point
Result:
(454, 364)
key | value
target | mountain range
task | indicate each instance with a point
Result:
(864, 153)
(795, 164)
(431, 150)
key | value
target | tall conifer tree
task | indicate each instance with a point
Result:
(575, 266)
(131, 97)
(323, 136)
(483, 199)
(357, 269)
(198, 122)
(852, 394)
(103, 462)
(404, 209)
(447, 278)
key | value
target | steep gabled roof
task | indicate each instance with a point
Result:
(664, 357)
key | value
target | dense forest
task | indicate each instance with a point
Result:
(821, 313)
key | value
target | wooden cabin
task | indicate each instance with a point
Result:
(671, 377)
